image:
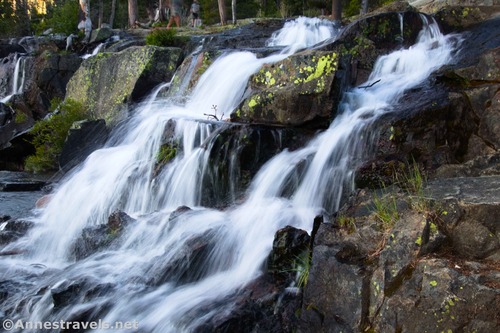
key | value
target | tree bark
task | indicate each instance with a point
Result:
(132, 13)
(364, 6)
(233, 11)
(150, 9)
(101, 14)
(112, 15)
(222, 12)
(336, 10)
(85, 7)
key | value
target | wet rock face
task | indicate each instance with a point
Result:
(451, 119)
(6, 114)
(11, 230)
(289, 246)
(96, 238)
(266, 304)
(237, 151)
(7, 65)
(186, 264)
(83, 138)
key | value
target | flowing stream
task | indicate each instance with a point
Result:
(127, 281)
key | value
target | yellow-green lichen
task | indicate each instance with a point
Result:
(326, 65)
(253, 102)
(270, 80)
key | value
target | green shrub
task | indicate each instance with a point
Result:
(352, 8)
(49, 135)
(164, 37)
(21, 117)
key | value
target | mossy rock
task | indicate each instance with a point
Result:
(295, 91)
(107, 82)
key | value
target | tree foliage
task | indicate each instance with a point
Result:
(24, 17)
(14, 19)
(63, 19)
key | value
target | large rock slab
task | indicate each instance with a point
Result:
(295, 91)
(434, 269)
(108, 82)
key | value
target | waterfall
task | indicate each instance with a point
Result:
(99, 47)
(19, 77)
(139, 278)
(301, 33)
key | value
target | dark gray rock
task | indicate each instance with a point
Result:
(6, 49)
(52, 74)
(12, 230)
(186, 264)
(97, 238)
(83, 138)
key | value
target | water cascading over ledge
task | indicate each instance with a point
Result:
(171, 269)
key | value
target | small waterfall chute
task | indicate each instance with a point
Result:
(18, 77)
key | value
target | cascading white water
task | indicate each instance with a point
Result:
(238, 239)
(18, 79)
(301, 33)
(99, 47)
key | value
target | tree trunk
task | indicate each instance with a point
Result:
(233, 10)
(222, 12)
(85, 7)
(22, 14)
(150, 9)
(112, 15)
(101, 14)
(132, 13)
(364, 6)
(336, 10)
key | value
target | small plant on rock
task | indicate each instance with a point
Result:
(49, 135)
(413, 181)
(386, 210)
(347, 223)
(302, 267)
(166, 154)
(21, 117)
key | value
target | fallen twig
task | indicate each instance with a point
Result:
(370, 85)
